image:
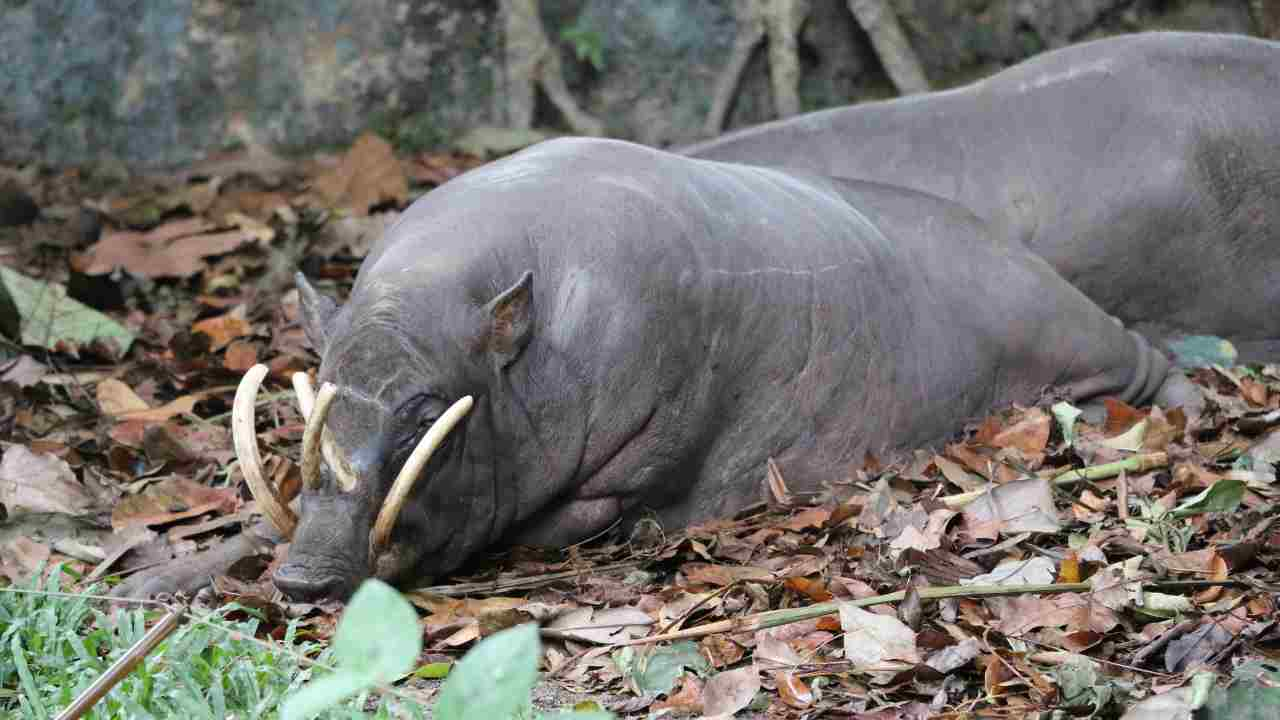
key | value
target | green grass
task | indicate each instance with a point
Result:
(52, 647)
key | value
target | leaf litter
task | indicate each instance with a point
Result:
(1132, 515)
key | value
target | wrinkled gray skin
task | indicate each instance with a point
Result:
(642, 331)
(1144, 168)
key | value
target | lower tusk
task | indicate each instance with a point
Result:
(311, 436)
(409, 474)
(245, 438)
(305, 393)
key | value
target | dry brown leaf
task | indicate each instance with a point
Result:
(957, 475)
(180, 406)
(223, 329)
(171, 499)
(1030, 434)
(115, 398)
(871, 638)
(21, 557)
(174, 250)
(687, 700)
(41, 483)
(792, 689)
(728, 692)
(1120, 416)
(721, 650)
(368, 175)
(722, 575)
(1069, 570)
(240, 356)
(814, 517)
(1019, 506)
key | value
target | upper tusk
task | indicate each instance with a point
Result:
(305, 393)
(412, 469)
(244, 435)
(337, 462)
(311, 436)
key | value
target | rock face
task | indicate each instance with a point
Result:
(156, 83)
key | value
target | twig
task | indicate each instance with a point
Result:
(122, 666)
(524, 582)
(774, 618)
(1070, 476)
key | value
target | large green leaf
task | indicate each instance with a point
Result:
(1222, 496)
(494, 679)
(377, 641)
(40, 314)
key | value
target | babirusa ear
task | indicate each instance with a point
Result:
(317, 313)
(511, 318)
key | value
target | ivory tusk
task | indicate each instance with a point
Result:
(342, 472)
(311, 436)
(418, 459)
(305, 393)
(244, 435)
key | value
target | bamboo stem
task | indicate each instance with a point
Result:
(774, 618)
(1062, 477)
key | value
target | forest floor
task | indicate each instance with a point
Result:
(133, 306)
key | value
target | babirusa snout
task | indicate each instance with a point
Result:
(409, 474)
(244, 436)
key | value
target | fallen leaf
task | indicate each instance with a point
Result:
(687, 700)
(171, 499)
(240, 356)
(1020, 506)
(173, 250)
(603, 627)
(871, 638)
(730, 691)
(368, 175)
(40, 314)
(722, 575)
(1029, 435)
(222, 329)
(23, 371)
(41, 483)
(116, 398)
(21, 557)
(792, 689)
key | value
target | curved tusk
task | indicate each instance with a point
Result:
(245, 438)
(412, 469)
(311, 436)
(305, 393)
(337, 462)
(342, 472)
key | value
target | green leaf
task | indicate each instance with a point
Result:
(1066, 414)
(1222, 496)
(377, 641)
(493, 680)
(40, 314)
(323, 693)
(1195, 351)
(1254, 694)
(433, 671)
(665, 666)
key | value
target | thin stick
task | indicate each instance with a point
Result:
(122, 666)
(524, 582)
(774, 618)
